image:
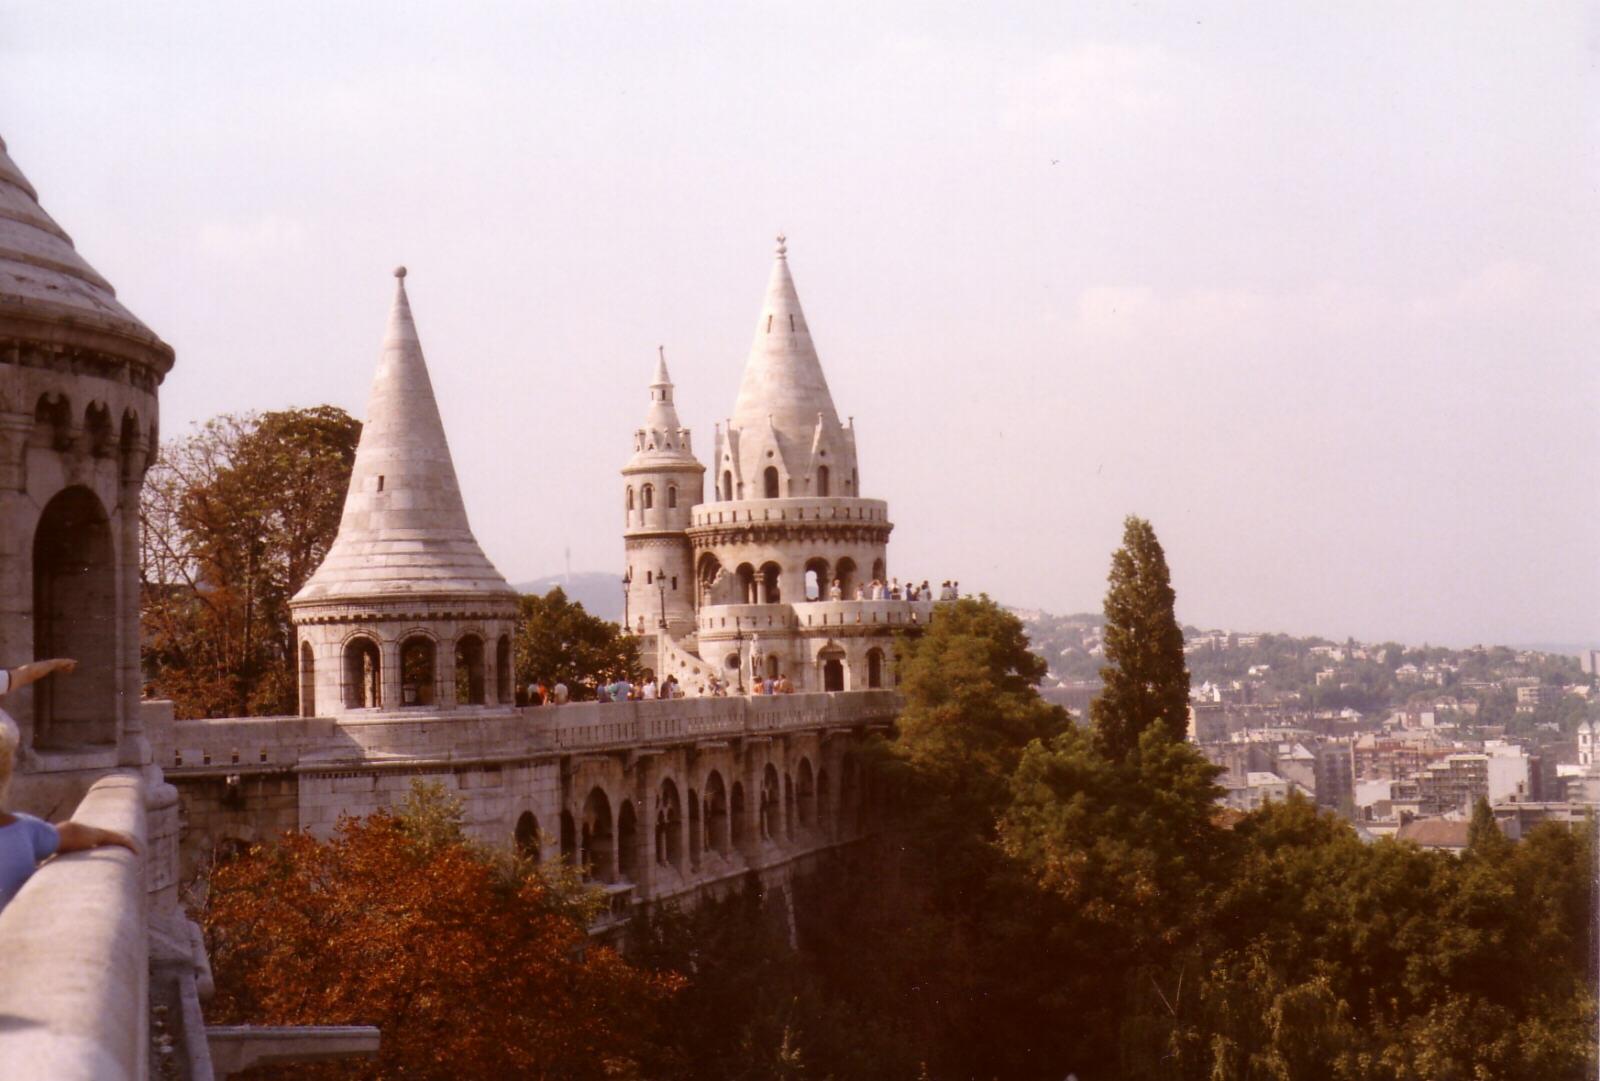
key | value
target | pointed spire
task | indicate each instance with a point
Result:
(663, 435)
(783, 388)
(404, 528)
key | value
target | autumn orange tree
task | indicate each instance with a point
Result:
(469, 966)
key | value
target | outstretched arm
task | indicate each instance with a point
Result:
(24, 674)
(75, 836)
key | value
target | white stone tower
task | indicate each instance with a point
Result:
(78, 380)
(786, 520)
(663, 481)
(405, 612)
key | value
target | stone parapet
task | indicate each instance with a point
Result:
(74, 955)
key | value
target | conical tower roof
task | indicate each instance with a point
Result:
(783, 378)
(663, 439)
(404, 531)
(44, 282)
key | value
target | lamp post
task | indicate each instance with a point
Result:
(738, 638)
(627, 583)
(661, 589)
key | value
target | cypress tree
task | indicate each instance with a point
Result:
(1146, 680)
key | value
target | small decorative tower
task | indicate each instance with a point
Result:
(405, 612)
(663, 481)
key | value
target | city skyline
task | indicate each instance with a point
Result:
(1315, 292)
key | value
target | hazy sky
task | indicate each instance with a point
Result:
(1314, 288)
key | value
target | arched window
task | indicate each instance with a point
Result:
(727, 485)
(417, 657)
(630, 497)
(647, 497)
(880, 572)
(817, 579)
(363, 674)
(527, 836)
(874, 668)
(845, 571)
(669, 825)
(822, 480)
(75, 615)
(672, 496)
(627, 843)
(832, 661)
(747, 584)
(308, 681)
(769, 481)
(469, 671)
(770, 573)
(597, 852)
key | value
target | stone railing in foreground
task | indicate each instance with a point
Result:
(74, 955)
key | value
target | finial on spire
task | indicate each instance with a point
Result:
(400, 272)
(661, 353)
(782, 250)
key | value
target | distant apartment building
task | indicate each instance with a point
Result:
(1589, 662)
(1530, 698)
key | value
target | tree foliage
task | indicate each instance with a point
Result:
(395, 921)
(235, 517)
(1145, 678)
(558, 641)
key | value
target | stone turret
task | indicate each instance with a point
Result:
(406, 611)
(787, 521)
(77, 430)
(663, 481)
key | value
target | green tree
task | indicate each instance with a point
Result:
(1145, 679)
(557, 640)
(235, 517)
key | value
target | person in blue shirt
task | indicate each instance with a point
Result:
(26, 841)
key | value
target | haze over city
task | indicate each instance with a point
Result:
(1312, 289)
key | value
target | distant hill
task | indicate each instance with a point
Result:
(599, 593)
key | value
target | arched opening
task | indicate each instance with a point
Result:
(128, 448)
(503, 692)
(874, 668)
(363, 682)
(832, 663)
(716, 814)
(773, 670)
(417, 656)
(630, 498)
(727, 485)
(822, 480)
(527, 836)
(627, 843)
(769, 583)
(879, 571)
(769, 482)
(672, 496)
(816, 579)
(845, 572)
(807, 803)
(52, 420)
(647, 497)
(788, 808)
(97, 427)
(569, 839)
(738, 821)
(694, 830)
(598, 854)
(669, 825)
(75, 614)
(747, 584)
(308, 681)
(469, 671)
(824, 806)
(706, 571)
(769, 805)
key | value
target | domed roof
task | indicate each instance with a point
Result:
(43, 279)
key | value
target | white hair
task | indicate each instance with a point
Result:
(10, 736)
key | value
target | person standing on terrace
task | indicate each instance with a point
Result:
(26, 841)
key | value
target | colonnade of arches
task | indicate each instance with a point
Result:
(607, 838)
(763, 584)
(362, 680)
